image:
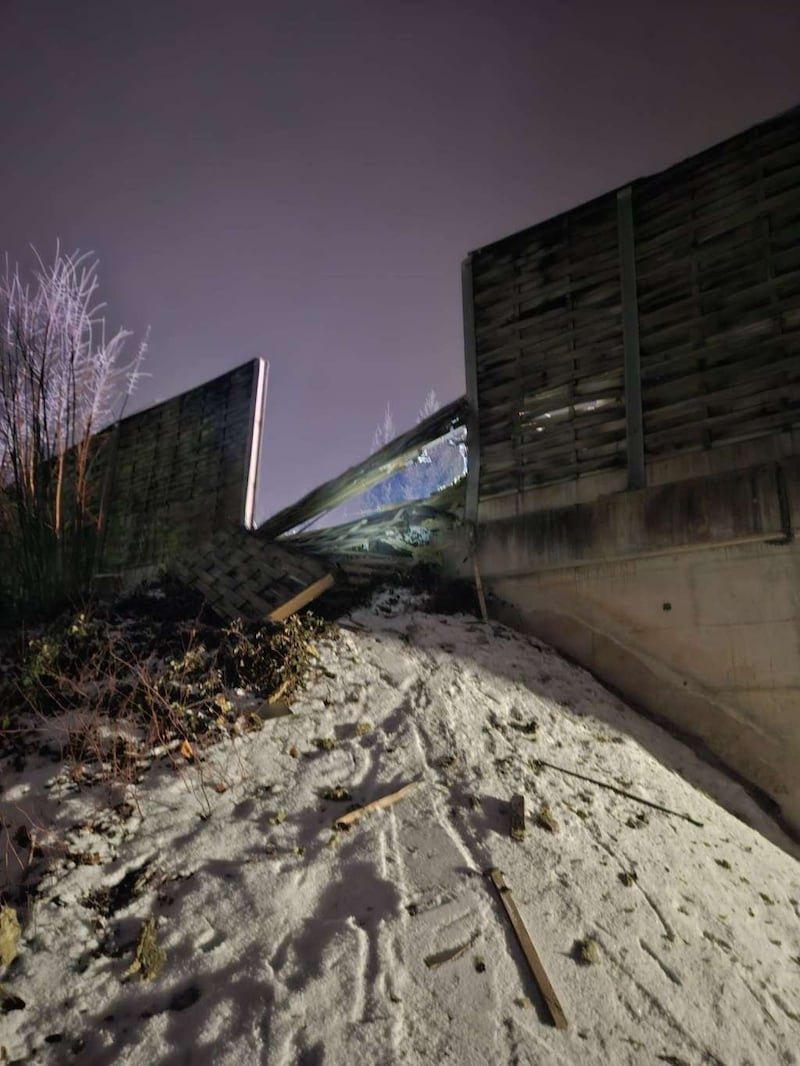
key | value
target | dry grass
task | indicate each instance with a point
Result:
(107, 691)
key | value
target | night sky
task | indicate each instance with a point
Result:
(302, 180)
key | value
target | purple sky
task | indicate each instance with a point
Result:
(302, 180)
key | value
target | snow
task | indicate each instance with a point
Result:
(289, 942)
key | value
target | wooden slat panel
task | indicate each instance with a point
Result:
(718, 291)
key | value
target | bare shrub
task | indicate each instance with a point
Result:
(61, 374)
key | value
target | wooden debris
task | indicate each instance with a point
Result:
(517, 811)
(280, 614)
(10, 933)
(150, 956)
(352, 817)
(272, 709)
(619, 791)
(547, 820)
(537, 969)
(448, 955)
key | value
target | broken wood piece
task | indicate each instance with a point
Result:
(537, 969)
(352, 817)
(619, 791)
(280, 614)
(479, 590)
(449, 954)
(517, 811)
(272, 708)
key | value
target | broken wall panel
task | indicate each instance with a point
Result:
(241, 576)
(371, 471)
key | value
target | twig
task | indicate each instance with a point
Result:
(619, 791)
(449, 954)
(523, 936)
(376, 805)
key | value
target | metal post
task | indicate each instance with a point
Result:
(630, 331)
(252, 470)
(471, 373)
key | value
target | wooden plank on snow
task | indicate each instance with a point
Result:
(523, 936)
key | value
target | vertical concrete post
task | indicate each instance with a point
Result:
(630, 330)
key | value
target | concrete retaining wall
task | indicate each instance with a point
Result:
(685, 597)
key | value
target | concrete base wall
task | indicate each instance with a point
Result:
(685, 597)
(707, 640)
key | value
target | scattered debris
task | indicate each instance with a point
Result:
(547, 820)
(325, 743)
(376, 805)
(449, 954)
(537, 969)
(150, 956)
(164, 665)
(10, 932)
(637, 821)
(338, 794)
(362, 728)
(517, 811)
(270, 709)
(530, 729)
(628, 878)
(586, 951)
(479, 964)
(9, 1002)
(112, 898)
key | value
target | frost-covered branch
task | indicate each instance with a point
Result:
(62, 373)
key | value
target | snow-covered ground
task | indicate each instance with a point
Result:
(289, 942)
